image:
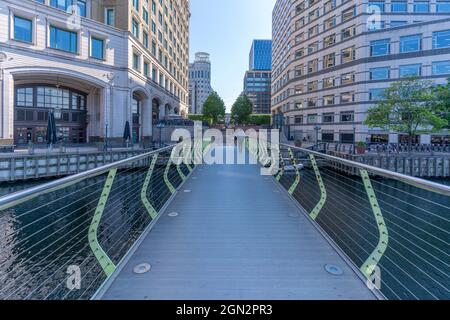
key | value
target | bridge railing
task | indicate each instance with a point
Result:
(394, 228)
(62, 239)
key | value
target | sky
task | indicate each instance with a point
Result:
(225, 29)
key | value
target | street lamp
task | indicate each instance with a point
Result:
(160, 126)
(106, 136)
(317, 129)
(354, 138)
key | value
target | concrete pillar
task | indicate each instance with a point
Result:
(7, 110)
(146, 117)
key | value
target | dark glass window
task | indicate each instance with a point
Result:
(63, 40)
(97, 48)
(23, 29)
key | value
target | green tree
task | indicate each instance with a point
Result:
(214, 108)
(242, 109)
(443, 94)
(409, 106)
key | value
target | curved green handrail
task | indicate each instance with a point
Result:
(166, 176)
(371, 263)
(150, 209)
(281, 173)
(297, 172)
(106, 263)
(323, 191)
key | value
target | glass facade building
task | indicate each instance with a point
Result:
(261, 55)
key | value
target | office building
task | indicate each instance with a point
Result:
(333, 58)
(257, 81)
(96, 64)
(199, 82)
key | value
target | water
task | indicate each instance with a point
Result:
(41, 238)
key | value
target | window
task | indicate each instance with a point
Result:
(410, 70)
(328, 82)
(380, 73)
(24, 97)
(136, 62)
(329, 23)
(329, 40)
(329, 60)
(348, 55)
(398, 23)
(347, 116)
(441, 39)
(443, 6)
(135, 28)
(421, 6)
(328, 100)
(441, 67)
(63, 40)
(136, 4)
(347, 97)
(145, 15)
(410, 43)
(298, 119)
(379, 48)
(313, 66)
(312, 118)
(328, 136)
(376, 94)
(23, 29)
(348, 32)
(313, 85)
(109, 17)
(399, 6)
(82, 9)
(146, 68)
(348, 78)
(379, 4)
(328, 118)
(61, 4)
(145, 39)
(97, 48)
(348, 14)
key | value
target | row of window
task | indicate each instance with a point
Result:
(380, 73)
(60, 39)
(410, 43)
(345, 116)
(153, 75)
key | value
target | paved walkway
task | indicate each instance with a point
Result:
(238, 236)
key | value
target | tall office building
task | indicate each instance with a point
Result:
(96, 63)
(199, 82)
(333, 58)
(257, 81)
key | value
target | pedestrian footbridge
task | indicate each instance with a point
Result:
(150, 228)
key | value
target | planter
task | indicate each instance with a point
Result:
(360, 150)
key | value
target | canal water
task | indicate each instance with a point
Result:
(42, 238)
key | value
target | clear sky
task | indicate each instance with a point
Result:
(225, 29)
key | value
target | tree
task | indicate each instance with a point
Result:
(443, 94)
(242, 109)
(214, 108)
(410, 106)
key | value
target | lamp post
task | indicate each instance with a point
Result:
(160, 126)
(354, 138)
(317, 129)
(106, 136)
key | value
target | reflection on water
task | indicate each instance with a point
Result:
(41, 238)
